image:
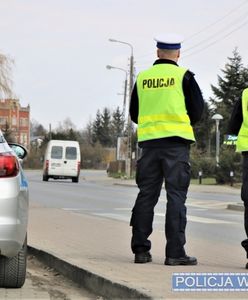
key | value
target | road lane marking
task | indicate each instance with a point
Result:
(207, 220)
(113, 216)
(207, 205)
(123, 208)
(118, 209)
(72, 209)
(201, 219)
(190, 218)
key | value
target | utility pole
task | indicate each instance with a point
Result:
(129, 127)
(50, 131)
(129, 123)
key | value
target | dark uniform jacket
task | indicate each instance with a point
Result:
(236, 119)
(194, 105)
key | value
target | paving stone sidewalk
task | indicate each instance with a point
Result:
(102, 247)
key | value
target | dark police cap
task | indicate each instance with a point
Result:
(169, 41)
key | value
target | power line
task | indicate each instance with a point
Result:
(244, 16)
(207, 27)
(217, 40)
(217, 21)
(212, 43)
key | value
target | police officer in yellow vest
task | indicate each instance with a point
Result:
(239, 126)
(166, 101)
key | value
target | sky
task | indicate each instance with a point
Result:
(61, 48)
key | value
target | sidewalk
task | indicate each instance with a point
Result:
(102, 247)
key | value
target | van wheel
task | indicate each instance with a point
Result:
(45, 178)
(13, 269)
(74, 179)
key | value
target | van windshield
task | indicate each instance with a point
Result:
(71, 153)
(57, 152)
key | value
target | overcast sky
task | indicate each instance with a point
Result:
(61, 48)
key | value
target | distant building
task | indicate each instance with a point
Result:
(15, 120)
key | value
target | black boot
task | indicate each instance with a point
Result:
(184, 261)
(244, 244)
(141, 258)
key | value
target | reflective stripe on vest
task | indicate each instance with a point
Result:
(242, 141)
(162, 110)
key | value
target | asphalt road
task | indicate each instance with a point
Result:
(95, 194)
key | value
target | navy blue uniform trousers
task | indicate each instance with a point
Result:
(244, 197)
(158, 165)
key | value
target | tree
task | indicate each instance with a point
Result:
(66, 126)
(117, 125)
(8, 134)
(202, 131)
(96, 128)
(226, 93)
(229, 89)
(105, 136)
(101, 128)
(87, 134)
(66, 131)
(92, 156)
(37, 129)
(230, 160)
(5, 72)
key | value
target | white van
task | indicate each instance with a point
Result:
(62, 160)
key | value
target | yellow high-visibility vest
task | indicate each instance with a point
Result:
(242, 141)
(162, 109)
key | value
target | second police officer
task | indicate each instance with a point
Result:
(238, 125)
(166, 102)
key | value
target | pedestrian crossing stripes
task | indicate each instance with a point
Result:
(124, 213)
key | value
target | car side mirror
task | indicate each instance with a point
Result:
(20, 151)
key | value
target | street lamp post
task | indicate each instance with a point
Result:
(217, 118)
(129, 129)
(125, 87)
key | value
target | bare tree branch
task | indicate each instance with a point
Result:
(5, 76)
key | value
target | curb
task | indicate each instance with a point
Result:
(92, 282)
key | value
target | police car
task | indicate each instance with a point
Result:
(13, 215)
